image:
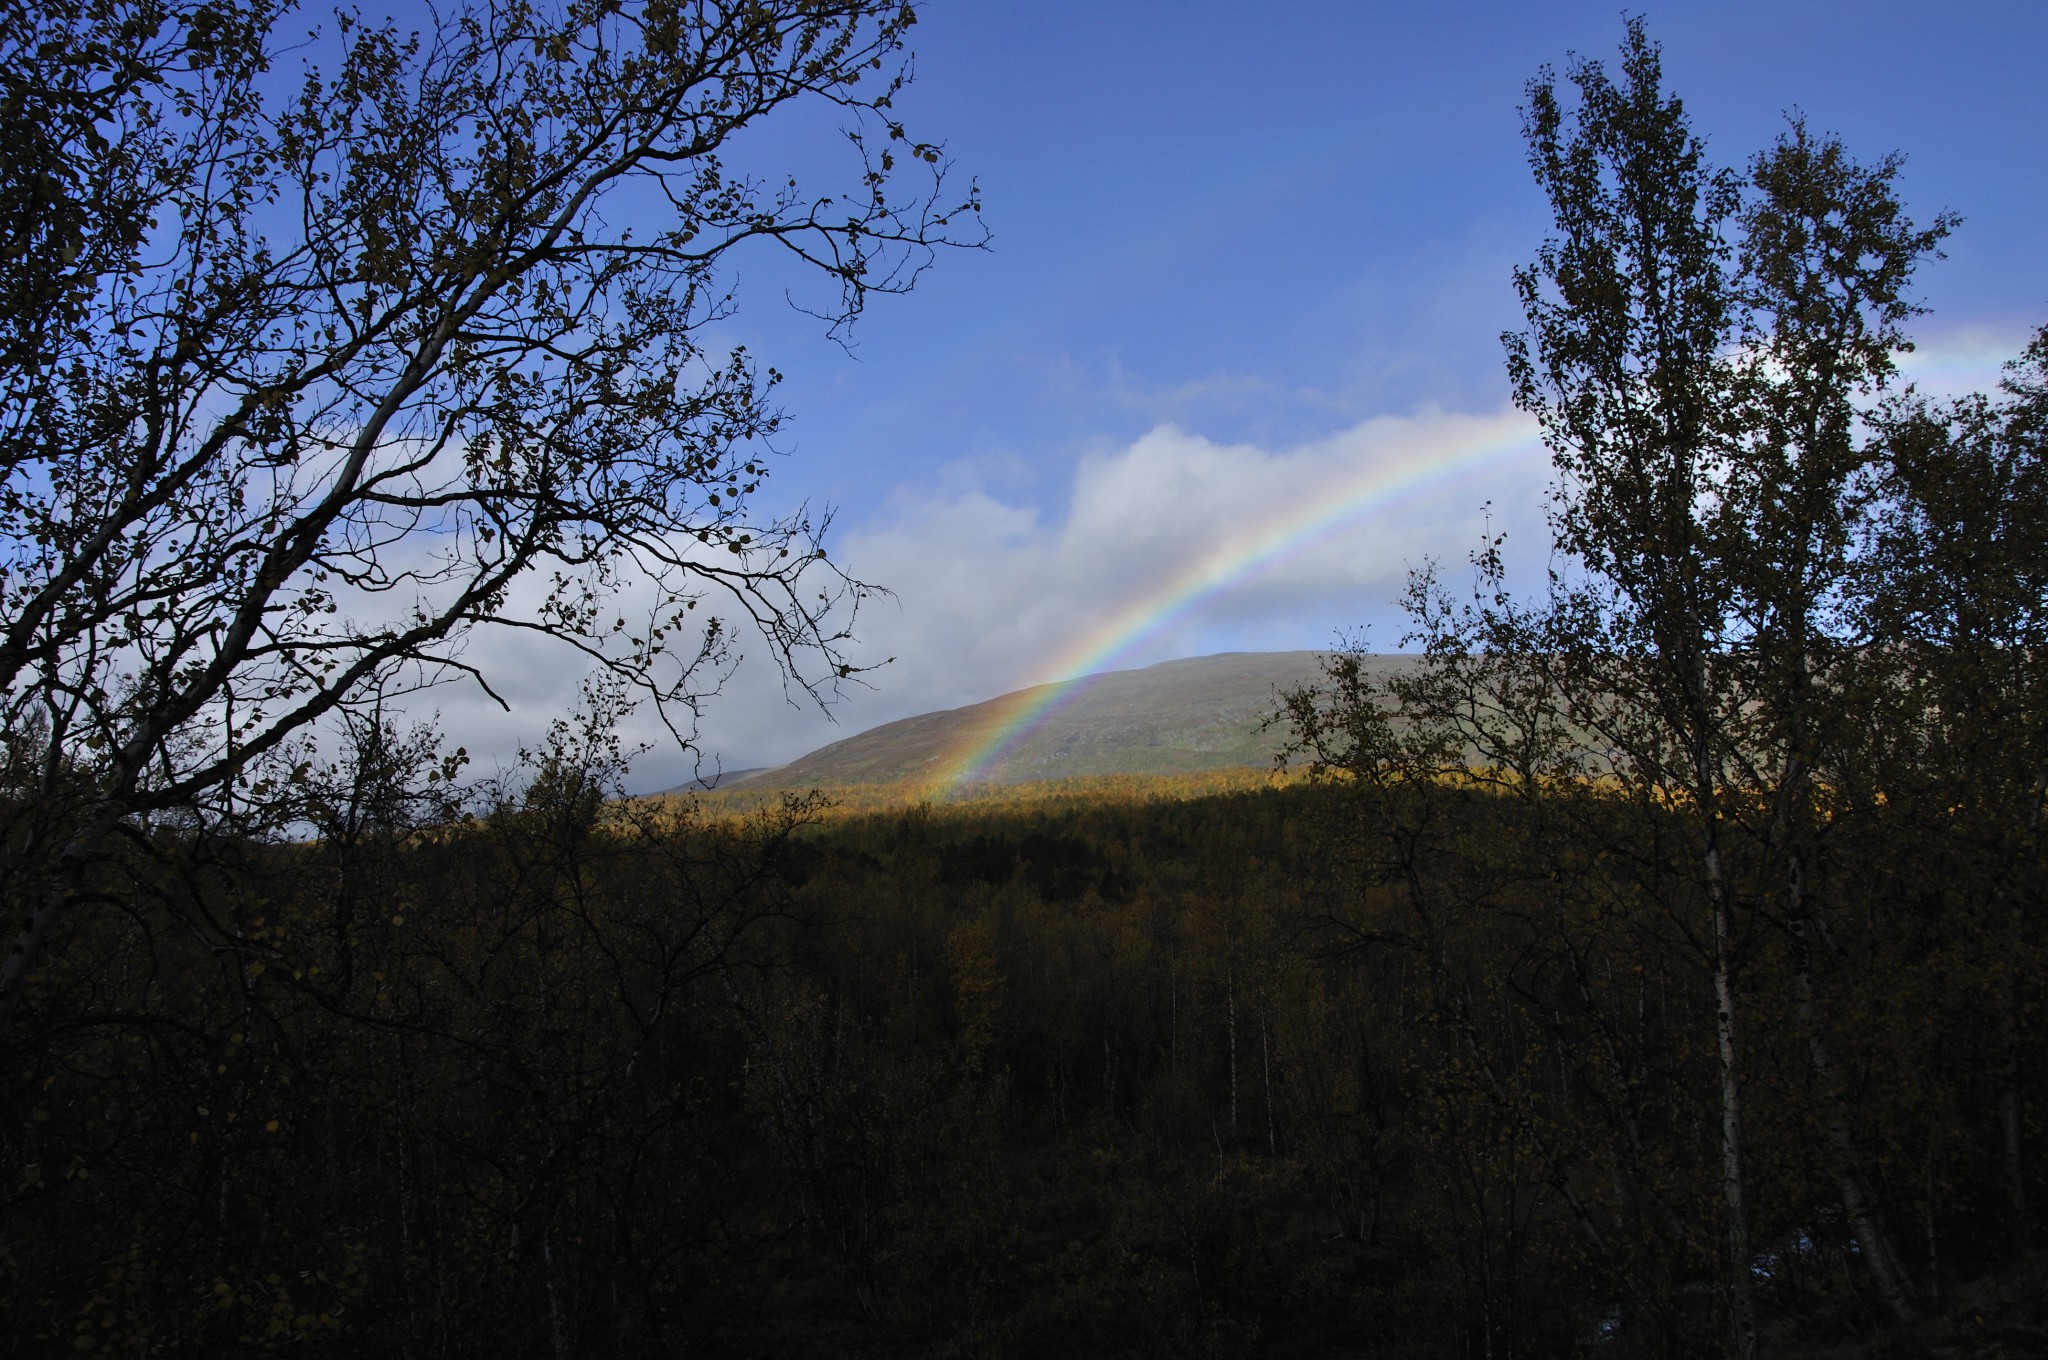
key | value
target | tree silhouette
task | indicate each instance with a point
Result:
(309, 384)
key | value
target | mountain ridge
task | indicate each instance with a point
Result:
(1185, 716)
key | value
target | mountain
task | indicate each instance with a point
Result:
(721, 779)
(1178, 717)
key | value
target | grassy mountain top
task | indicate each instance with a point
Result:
(1175, 718)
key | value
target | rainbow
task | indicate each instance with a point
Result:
(1471, 445)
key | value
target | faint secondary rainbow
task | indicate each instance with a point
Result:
(1970, 360)
(1482, 444)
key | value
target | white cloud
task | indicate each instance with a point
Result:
(992, 593)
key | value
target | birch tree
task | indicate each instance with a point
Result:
(1631, 313)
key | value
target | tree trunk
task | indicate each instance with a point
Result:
(1873, 1241)
(2012, 1162)
(1741, 1300)
(1266, 1066)
(66, 879)
(2011, 1156)
(1230, 1004)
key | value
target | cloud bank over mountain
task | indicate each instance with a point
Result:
(1171, 545)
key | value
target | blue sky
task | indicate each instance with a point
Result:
(1242, 248)
(1267, 221)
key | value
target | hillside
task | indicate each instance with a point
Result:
(1177, 717)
